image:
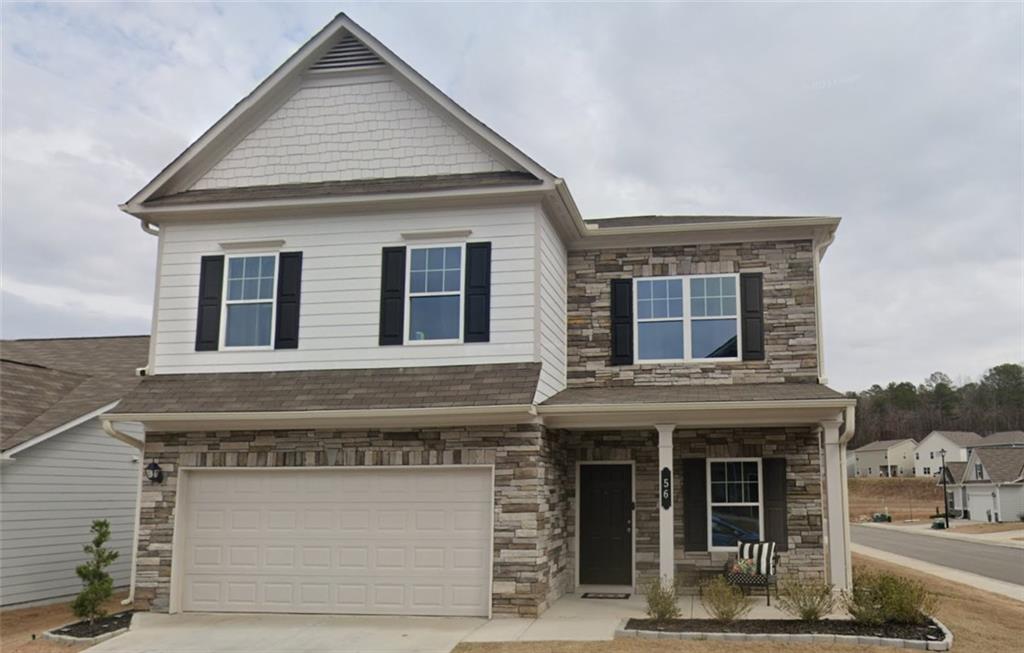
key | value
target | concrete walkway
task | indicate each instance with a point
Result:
(1002, 538)
(1003, 588)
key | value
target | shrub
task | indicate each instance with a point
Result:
(662, 600)
(881, 517)
(939, 524)
(98, 586)
(878, 598)
(724, 601)
(808, 600)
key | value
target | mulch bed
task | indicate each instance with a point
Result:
(929, 632)
(107, 624)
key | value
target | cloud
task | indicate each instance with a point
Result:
(904, 119)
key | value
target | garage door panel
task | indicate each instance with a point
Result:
(296, 543)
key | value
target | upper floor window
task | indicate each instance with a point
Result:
(931, 455)
(979, 471)
(687, 318)
(435, 293)
(917, 456)
(249, 300)
(734, 500)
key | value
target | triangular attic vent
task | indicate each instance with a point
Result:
(348, 53)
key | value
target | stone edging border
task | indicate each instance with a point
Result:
(945, 644)
(88, 641)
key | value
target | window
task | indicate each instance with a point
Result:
(927, 470)
(979, 471)
(249, 300)
(734, 500)
(687, 318)
(917, 456)
(931, 454)
(435, 294)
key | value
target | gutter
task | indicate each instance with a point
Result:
(571, 409)
(108, 427)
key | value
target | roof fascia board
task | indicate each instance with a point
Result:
(749, 231)
(43, 437)
(291, 67)
(379, 202)
(357, 418)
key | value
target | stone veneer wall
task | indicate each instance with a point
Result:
(790, 328)
(530, 556)
(805, 557)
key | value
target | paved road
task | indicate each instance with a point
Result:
(999, 562)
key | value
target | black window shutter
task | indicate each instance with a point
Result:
(392, 295)
(695, 504)
(289, 289)
(752, 315)
(622, 322)
(775, 528)
(211, 286)
(477, 326)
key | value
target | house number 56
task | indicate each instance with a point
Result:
(666, 488)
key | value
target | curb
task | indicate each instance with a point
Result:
(943, 534)
(946, 644)
(88, 641)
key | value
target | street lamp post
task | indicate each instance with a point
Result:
(945, 495)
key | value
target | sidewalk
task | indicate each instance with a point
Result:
(1004, 538)
(1003, 588)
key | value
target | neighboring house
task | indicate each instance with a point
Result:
(884, 458)
(394, 371)
(1001, 439)
(928, 456)
(990, 486)
(956, 496)
(58, 470)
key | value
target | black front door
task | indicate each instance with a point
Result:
(606, 525)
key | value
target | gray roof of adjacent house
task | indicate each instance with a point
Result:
(670, 220)
(955, 470)
(348, 188)
(693, 393)
(501, 384)
(48, 383)
(1001, 439)
(882, 445)
(962, 438)
(1002, 465)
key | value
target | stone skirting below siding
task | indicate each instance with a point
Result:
(529, 551)
(791, 353)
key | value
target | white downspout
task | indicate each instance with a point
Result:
(108, 427)
(819, 253)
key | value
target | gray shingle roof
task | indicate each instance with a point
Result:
(881, 445)
(1002, 438)
(956, 470)
(1002, 465)
(504, 384)
(327, 189)
(693, 393)
(669, 220)
(962, 438)
(48, 383)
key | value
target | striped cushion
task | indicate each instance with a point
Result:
(762, 553)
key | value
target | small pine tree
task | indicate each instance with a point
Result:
(98, 586)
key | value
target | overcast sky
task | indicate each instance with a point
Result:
(906, 120)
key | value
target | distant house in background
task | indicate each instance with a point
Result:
(58, 469)
(928, 457)
(884, 458)
(990, 485)
(1001, 439)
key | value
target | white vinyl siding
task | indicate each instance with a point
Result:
(553, 271)
(49, 495)
(338, 326)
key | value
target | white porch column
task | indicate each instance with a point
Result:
(666, 526)
(839, 567)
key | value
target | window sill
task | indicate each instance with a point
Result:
(247, 348)
(684, 361)
(427, 343)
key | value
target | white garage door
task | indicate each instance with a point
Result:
(980, 502)
(407, 541)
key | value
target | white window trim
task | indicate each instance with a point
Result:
(687, 321)
(407, 318)
(225, 302)
(759, 504)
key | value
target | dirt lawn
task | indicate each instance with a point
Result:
(17, 627)
(981, 623)
(989, 528)
(904, 498)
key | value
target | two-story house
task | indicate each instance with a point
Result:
(394, 371)
(953, 446)
(884, 458)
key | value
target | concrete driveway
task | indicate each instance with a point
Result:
(289, 633)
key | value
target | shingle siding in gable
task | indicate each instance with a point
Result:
(370, 130)
(789, 312)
